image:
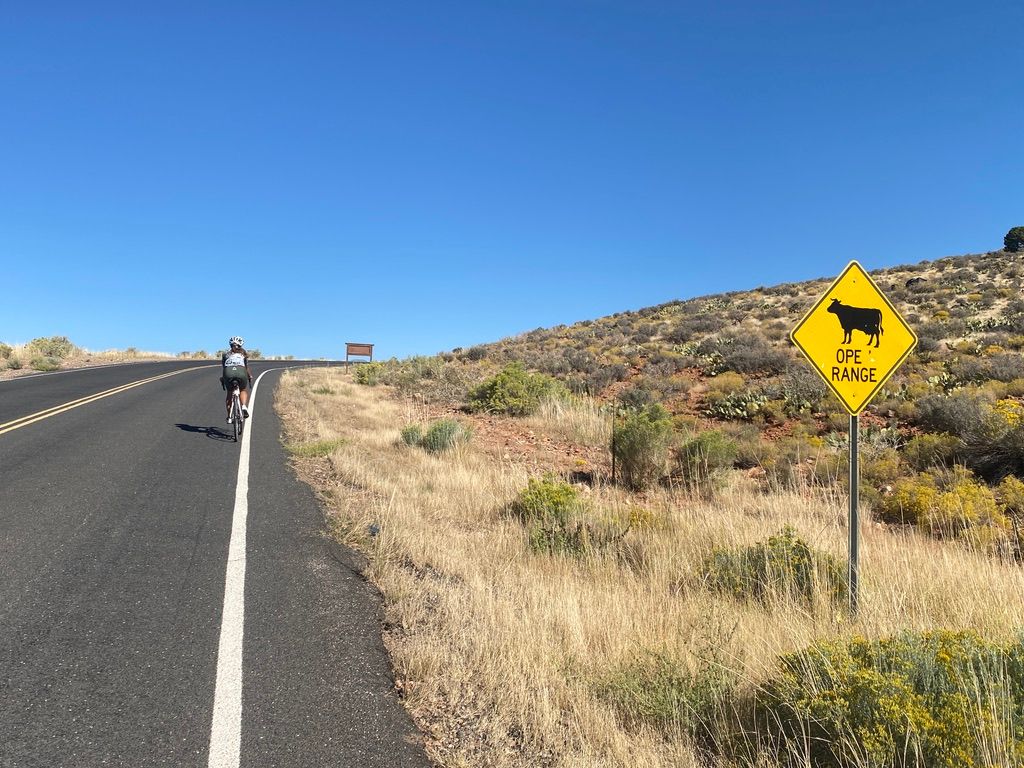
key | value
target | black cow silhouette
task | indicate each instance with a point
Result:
(866, 320)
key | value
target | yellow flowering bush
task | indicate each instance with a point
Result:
(939, 699)
(1009, 410)
(952, 507)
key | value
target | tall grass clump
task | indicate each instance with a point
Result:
(656, 689)
(580, 419)
(783, 566)
(640, 442)
(514, 392)
(702, 460)
(932, 699)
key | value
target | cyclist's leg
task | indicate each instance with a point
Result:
(243, 395)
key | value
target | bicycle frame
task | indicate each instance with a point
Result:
(237, 419)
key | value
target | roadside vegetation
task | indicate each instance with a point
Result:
(939, 439)
(630, 548)
(538, 614)
(53, 353)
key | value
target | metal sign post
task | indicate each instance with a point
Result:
(855, 339)
(854, 517)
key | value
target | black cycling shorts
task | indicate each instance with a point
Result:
(236, 374)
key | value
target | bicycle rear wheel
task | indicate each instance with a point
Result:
(236, 417)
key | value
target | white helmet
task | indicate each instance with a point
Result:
(236, 341)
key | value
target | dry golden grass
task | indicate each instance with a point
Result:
(18, 361)
(499, 650)
(583, 421)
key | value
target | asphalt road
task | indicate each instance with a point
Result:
(115, 521)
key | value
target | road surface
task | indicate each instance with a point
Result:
(127, 638)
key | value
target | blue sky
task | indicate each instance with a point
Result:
(431, 175)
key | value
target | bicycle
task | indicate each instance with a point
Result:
(237, 417)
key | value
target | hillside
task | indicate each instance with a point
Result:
(949, 421)
(967, 311)
(689, 606)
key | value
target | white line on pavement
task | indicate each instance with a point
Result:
(226, 730)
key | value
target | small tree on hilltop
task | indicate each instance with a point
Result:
(1014, 240)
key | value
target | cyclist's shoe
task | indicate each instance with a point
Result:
(229, 419)
(245, 411)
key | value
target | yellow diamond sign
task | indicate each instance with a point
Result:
(854, 338)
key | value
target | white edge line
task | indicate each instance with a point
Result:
(226, 727)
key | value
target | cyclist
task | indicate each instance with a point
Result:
(235, 367)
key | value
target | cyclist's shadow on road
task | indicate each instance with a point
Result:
(213, 433)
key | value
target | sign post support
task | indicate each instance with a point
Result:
(855, 339)
(854, 517)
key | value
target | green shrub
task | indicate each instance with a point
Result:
(553, 514)
(559, 522)
(995, 448)
(52, 346)
(991, 433)
(514, 392)
(957, 414)
(412, 435)
(931, 450)
(436, 378)
(547, 499)
(640, 442)
(784, 565)
(638, 396)
(14, 363)
(443, 435)
(5, 351)
(700, 462)
(41, 363)
(368, 374)
(802, 391)
(937, 699)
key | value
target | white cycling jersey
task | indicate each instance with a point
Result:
(234, 358)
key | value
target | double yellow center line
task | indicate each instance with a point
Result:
(32, 418)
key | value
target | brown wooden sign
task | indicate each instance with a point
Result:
(359, 350)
